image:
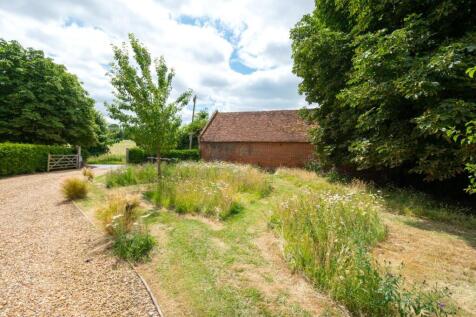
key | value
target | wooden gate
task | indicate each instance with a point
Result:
(61, 162)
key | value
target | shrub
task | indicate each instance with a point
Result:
(328, 237)
(121, 218)
(119, 213)
(74, 188)
(133, 246)
(88, 173)
(138, 155)
(132, 175)
(18, 158)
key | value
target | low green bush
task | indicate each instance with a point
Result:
(133, 246)
(19, 158)
(138, 155)
(74, 188)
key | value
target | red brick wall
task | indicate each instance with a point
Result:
(269, 155)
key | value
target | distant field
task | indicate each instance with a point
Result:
(116, 155)
(120, 148)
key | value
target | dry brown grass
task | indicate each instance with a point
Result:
(434, 253)
(74, 188)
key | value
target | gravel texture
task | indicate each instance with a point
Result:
(49, 259)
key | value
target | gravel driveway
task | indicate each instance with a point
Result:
(47, 267)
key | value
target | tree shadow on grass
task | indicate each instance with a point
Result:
(468, 235)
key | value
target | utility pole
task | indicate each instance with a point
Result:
(190, 136)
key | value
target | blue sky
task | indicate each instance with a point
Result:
(234, 54)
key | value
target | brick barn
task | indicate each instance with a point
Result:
(266, 138)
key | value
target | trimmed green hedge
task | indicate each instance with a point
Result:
(18, 158)
(138, 155)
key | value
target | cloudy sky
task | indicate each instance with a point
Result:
(234, 54)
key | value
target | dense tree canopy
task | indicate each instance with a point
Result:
(388, 78)
(40, 102)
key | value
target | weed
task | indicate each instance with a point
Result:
(133, 246)
(74, 188)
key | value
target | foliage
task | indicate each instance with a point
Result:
(88, 173)
(74, 188)
(328, 233)
(116, 133)
(119, 213)
(131, 175)
(17, 158)
(194, 128)
(141, 100)
(134, 246)
(121, 218)
(40, 102)
(388, 77)
(138, 155)
(102, 134)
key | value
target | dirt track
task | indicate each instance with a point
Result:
(49, 263)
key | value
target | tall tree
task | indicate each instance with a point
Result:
(141, 100)
(388, 80)
(40, 102)
(103, 135)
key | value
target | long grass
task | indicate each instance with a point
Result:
(107, 158)
(123, 220)
(132, 175)
(210, 189)
(328, 232)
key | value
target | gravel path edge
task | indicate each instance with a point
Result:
(144, 282)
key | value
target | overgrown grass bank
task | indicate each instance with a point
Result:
(211, 189)
(328, 232)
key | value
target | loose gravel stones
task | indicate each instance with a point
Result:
(46, 267)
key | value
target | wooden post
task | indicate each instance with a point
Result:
(49, 158)
(127, 155)
(78, 153)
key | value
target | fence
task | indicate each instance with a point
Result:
(60, 161)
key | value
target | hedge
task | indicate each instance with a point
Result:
(19, 158)
(138, 155)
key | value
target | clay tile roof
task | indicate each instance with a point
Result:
(256, 126)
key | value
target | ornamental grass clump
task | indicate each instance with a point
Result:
(328, 237)
(88, 173)
(74, 188)
(122, 218)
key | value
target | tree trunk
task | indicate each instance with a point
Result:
(159, 171)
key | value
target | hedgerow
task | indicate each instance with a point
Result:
(19, 158)
(138, 155)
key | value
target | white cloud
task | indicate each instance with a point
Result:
(79, 35)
